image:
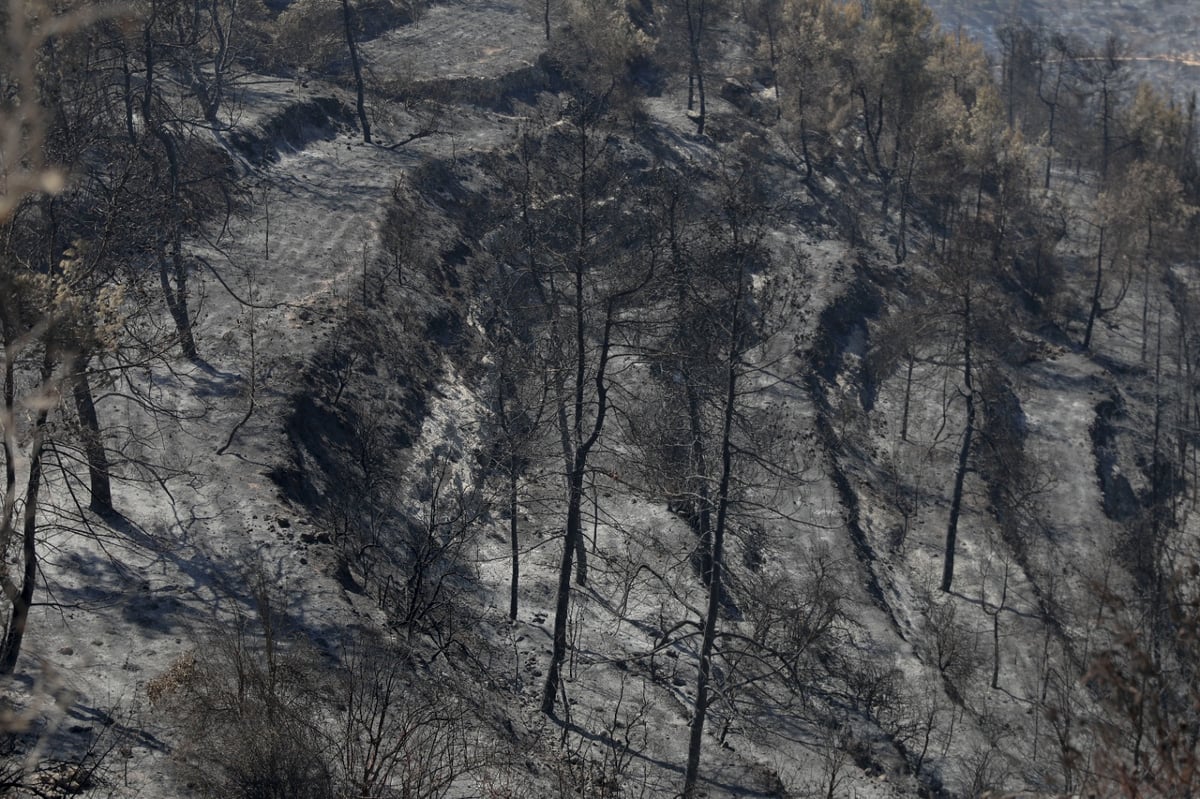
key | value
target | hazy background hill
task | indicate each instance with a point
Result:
(1160, 36)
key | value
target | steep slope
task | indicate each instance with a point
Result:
(344, 417)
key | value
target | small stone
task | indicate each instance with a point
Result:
(67, 650)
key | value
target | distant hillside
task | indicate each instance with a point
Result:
(1160, 36)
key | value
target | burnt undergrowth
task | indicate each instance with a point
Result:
(841, 322)
(292, 128)
(357, 460)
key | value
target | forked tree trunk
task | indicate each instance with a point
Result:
(174, 267)
(695, 12)
(574, 527)
(583, 434)
(9, 443)
(21, 597)
(173, 278)
(569, 455)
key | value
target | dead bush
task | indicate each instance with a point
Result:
(32, 766)
(176, 678)
(950, 645)
(800, 619)
(396, 737)
(915, 722)
(250, 724)
(606, 765)
(873, 687)
(264, 716)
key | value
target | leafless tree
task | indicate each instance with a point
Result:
(396, 737)
(737, 251)
(586, 285)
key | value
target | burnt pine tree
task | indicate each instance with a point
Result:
(588, 280)
(695, 21)
(965, 309)
(963, 302)
(734, 251)
(521, 380)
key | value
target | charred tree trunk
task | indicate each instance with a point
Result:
(574, 526)
(1146, 259)
(569, 462)
(173, 278)
(174, 267)
(703, 501)
(93, 440)
(715, 588)
(513, 465)
(512, 534)
(964, 453)
(901, 249)
(359, 91)
(695, 13)
(1094, 309)
(910, 362)
(1051, 104)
